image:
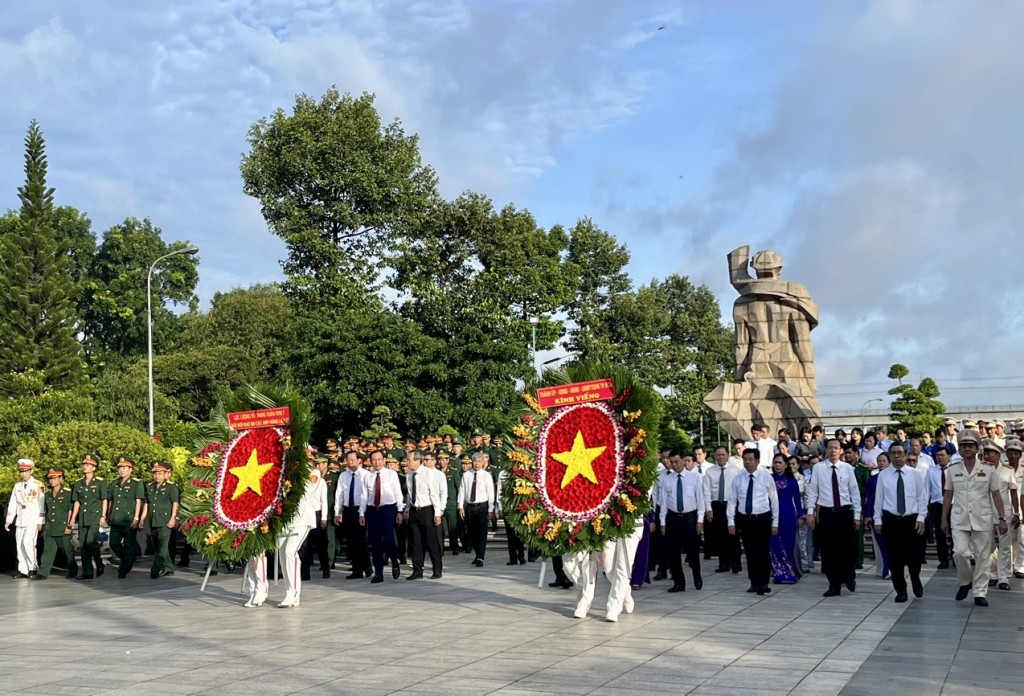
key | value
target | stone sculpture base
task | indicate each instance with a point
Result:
(739, 405)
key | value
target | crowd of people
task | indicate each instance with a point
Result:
(789, 504)
(781, 506)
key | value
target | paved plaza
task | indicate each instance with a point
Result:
(492, 631)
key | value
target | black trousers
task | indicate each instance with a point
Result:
(756, 533)
(516, 547)
(681, 538)
(837, 540)
(423, 536)
(316, 542)
(726, 545)
(941, 540)
(904, 546)
(476, 526)
(355, 539)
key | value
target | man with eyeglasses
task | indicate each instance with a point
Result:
(971, 507)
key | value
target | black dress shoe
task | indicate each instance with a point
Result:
(88, 577)
(354, 576)
(752, 589)
(479, 563)
(376, 579)
(851, 585)
(661, 576)
(181, 564)
(766, 589)
(831, 592)
(37, 577)
(721, 570)
(918, 588)
(980, 602)
(455, 552)
(522, 561)
(760, 591)
(1018, 574)
(511, 563)
(962, 592)
(991, 583)
(396, 571)
(415, 576)
(1003, 586)
(943, 565)
(737, 571)
(99, 570)
(436, 575)
(326, 574)
(901, 597)
(677, 588)
(859, 567)
(368, 573)
(698, 582)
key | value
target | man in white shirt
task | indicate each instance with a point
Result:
(717, 480)
(380, 511)
(682, 520)
(659, 545)
(1000, 561)
(348, 498)
(27, 511)
(901, 505)
(764, 444)
(924, 460)
(835, 513)
(1014, 453)
(316, 542)
(736, 459)
(476, 505)
(753, 513)
(440, 484)
(423, 516)
(936, 484)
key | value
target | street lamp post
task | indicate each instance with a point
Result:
(864, 408)
(534, 320)
(191, 250)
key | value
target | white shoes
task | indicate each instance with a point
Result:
(288, 602)
(612, 616)
(627, 606)
(581, 611)
(255, 601)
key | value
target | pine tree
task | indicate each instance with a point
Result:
(37, 315)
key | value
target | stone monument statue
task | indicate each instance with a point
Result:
(774, 360)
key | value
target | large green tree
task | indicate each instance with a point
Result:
(916, 410)
(114, 307)
(597, 261)
(37, 288)
(334, 183)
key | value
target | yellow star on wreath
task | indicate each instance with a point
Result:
(249, 476)
(579, 461)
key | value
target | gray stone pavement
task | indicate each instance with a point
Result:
(482, 631)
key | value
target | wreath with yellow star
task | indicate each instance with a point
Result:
(580, 474)
(242, 488)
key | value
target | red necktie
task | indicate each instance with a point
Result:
(376, 491)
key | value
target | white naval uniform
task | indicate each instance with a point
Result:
(27, 510)
(972, 521)
(1001, 565)
(313, 500)
(617, 563)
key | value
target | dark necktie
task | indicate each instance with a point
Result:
(679, 492)
(352, 489)
(376, 491)
(901, 496)
(412, 488)
(750, 495)
(943, 479)
(835, 488)
(472, 489)
(721, 485)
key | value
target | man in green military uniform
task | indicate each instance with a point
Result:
(127, 496)
(331, 479)
(57, 530)
(162, 509)
(90, 498)
(450, 521)
(390, 447)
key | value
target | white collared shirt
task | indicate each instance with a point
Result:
(712, 479)
(484, 489)
(390, 490)
(341, 494)
(819, 492)
(765, 497)
(693, 493)
(915, 493)
(425, 484)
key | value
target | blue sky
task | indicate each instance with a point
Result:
(875, 145)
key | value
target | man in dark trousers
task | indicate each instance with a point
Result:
(476, 505)
(348, 498)
(718, 480)
(753, 514)
(423, 511)
(901, 505)
(833, 504)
